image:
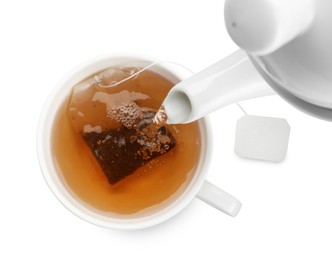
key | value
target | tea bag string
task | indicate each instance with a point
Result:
(135, 74)
(163, 62)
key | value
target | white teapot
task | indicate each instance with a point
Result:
(286, 43)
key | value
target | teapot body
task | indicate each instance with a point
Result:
(299, 68)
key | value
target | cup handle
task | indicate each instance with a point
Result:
(219, 199)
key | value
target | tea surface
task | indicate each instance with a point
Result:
(157, 181)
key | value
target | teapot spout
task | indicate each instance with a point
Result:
(230, 80)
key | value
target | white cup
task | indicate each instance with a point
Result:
(198, 186)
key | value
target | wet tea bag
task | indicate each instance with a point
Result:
(115, 121)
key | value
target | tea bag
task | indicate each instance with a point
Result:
(115, 121)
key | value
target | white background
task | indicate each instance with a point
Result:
(287, 207)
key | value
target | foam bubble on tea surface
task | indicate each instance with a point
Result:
(262, 138)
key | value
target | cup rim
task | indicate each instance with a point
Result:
(52, 178)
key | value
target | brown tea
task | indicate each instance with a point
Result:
(105, 151)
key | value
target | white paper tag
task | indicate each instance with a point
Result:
(262, 138)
